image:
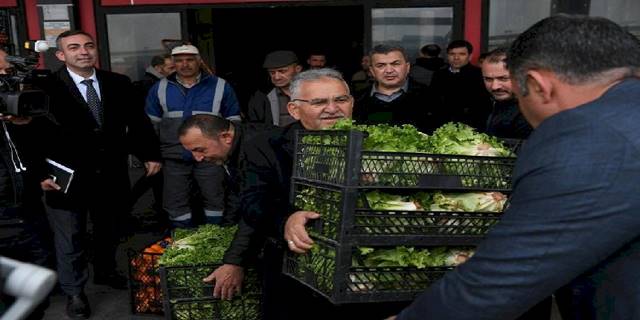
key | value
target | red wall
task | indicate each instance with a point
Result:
(8, 3)
(473, 25)
(147, 2)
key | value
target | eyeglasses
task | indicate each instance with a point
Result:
(324, 102)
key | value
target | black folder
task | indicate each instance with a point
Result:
(60, 174)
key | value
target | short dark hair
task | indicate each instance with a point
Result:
(431, 50)
(460, 44)
(210, 125)
(579, 49)
(386, 49)
(496, 55)
(70, 33)
(158, 60)
(317, 52)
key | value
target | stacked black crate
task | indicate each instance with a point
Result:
(332, 174)
(187, 297)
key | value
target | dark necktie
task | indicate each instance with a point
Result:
(93, 101)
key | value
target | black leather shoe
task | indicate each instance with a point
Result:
(78, 307)
(113, 280)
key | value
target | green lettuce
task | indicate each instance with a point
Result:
(206, 245)
(461, 139)
(468, 202)
(411, 257)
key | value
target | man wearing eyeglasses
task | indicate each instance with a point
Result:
(318, 99)
(394, 98)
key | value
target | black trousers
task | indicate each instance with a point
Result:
(71, 242)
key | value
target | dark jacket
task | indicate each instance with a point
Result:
(10, 180)
(245, 246)
(265, 108)
(412, 107)
(431, 64)
(143, 85)
(422, 71)
(506, 121)
(462, 96)
(266, 180)
(573, 219)
(98, 155)
(259, 109)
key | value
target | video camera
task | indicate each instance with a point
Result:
(16, 96)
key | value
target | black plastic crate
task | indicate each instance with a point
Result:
(187, 297)
(337, 158)
(329, 270)
(345, 218)
(145, 291)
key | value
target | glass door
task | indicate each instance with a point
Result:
(134, 38)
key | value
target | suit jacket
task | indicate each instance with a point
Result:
(265, 108)
(461, 97)
(98, 155)
(574, 219)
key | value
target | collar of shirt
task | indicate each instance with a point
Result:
(392, 96)
(189, 86)
(452, 70)
(77, 79)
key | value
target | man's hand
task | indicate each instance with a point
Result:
(17, 120)
(49, 185)
(152, 167)
(227, 279)
(391, 318)
(295, 234)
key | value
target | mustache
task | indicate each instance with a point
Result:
(325, 116)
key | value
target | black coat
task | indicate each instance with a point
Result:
(72, 137)
(266, 180)
(461, 97)
(259, 108)
(246, 243)
(506, 121)
(412, 107)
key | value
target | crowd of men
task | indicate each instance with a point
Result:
(575, 177)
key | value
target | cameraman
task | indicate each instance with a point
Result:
(22, 221)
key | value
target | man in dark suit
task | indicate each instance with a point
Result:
(574, 217)
(92, 118)
(458, 89)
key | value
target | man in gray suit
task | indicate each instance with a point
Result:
(271, 108)
(574, 218)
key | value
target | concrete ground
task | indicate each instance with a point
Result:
(107, 303)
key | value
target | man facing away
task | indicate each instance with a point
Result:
(271, 108)
(427, 63)
(189, 91)
(94, 119)
(573, 218)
